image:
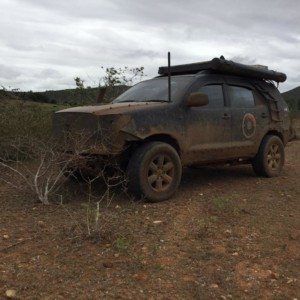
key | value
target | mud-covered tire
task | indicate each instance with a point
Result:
(269, 160)
(154, 171)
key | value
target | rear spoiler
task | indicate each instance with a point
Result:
(224, 66)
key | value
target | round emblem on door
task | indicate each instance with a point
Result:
(249, 125)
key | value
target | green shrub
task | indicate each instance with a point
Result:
(21, 122)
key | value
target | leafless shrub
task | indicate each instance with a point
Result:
(41, 169)
(31, 160)
(43, 166)
(110, 180)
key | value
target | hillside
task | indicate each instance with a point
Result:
(292, 97)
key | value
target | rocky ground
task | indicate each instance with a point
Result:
(227, 234)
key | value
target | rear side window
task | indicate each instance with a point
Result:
(241, 97)
(214, 93)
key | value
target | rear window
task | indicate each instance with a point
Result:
(241, 97)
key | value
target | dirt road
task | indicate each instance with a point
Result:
(226, 235)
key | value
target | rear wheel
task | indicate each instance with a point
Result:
(269, 160)
(154, 171)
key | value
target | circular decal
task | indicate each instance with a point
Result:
(249, 125)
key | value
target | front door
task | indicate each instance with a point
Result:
(208, 128)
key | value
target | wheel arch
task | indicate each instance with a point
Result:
(165, 138)
(276, 133)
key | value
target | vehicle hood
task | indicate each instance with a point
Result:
(112, 108)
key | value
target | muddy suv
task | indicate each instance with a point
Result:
(211, 112)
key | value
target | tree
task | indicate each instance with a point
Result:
(117, 77)
(80, 87)
(122, 76)
(85, 93)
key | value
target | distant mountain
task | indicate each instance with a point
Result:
(292, 97)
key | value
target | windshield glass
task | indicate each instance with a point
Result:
(155, 90)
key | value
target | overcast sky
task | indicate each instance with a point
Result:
(44, 44)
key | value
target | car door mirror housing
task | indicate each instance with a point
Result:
(197, 100)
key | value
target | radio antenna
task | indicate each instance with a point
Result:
(169, 76)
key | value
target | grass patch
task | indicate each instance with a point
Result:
(202, 227)
(121, 244)
(225, 205)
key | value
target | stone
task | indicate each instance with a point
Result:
(108, 265)
(157, 222)
(11, 294)
(41, 223)
(273, 275)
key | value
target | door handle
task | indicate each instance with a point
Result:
(264, 115)
(226, 116)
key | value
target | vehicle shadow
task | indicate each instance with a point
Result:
(214, 175)
(192, 178)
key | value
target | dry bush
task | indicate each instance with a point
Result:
(36, 165)
(31, 160)
(27, 156)
(46, 173)
(47, 165)
(94, 203)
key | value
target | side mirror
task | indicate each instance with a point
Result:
(197, 99)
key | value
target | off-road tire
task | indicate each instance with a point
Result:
(269, 160)
(150, 169)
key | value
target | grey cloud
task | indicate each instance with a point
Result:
(8, 72)
(50, 73)
(49, 42)
(140, 53)
(244, 60)
(23, 47)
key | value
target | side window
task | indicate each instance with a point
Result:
(215, 95)
(241, 97)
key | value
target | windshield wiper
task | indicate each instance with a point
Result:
(124, 101)
(136, 101)
(154, 100)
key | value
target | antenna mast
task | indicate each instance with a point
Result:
(169, 76)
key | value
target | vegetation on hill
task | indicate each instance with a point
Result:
(22, 120)
(292, 97)
(72, 97)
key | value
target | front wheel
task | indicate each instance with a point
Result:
(269, 160)
(154, 171)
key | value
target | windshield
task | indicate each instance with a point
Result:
(155, 90)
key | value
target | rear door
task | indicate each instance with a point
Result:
(250, 117)
(208, 128)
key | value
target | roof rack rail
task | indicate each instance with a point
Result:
(224, 66)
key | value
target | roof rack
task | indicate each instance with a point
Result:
(224, 66)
